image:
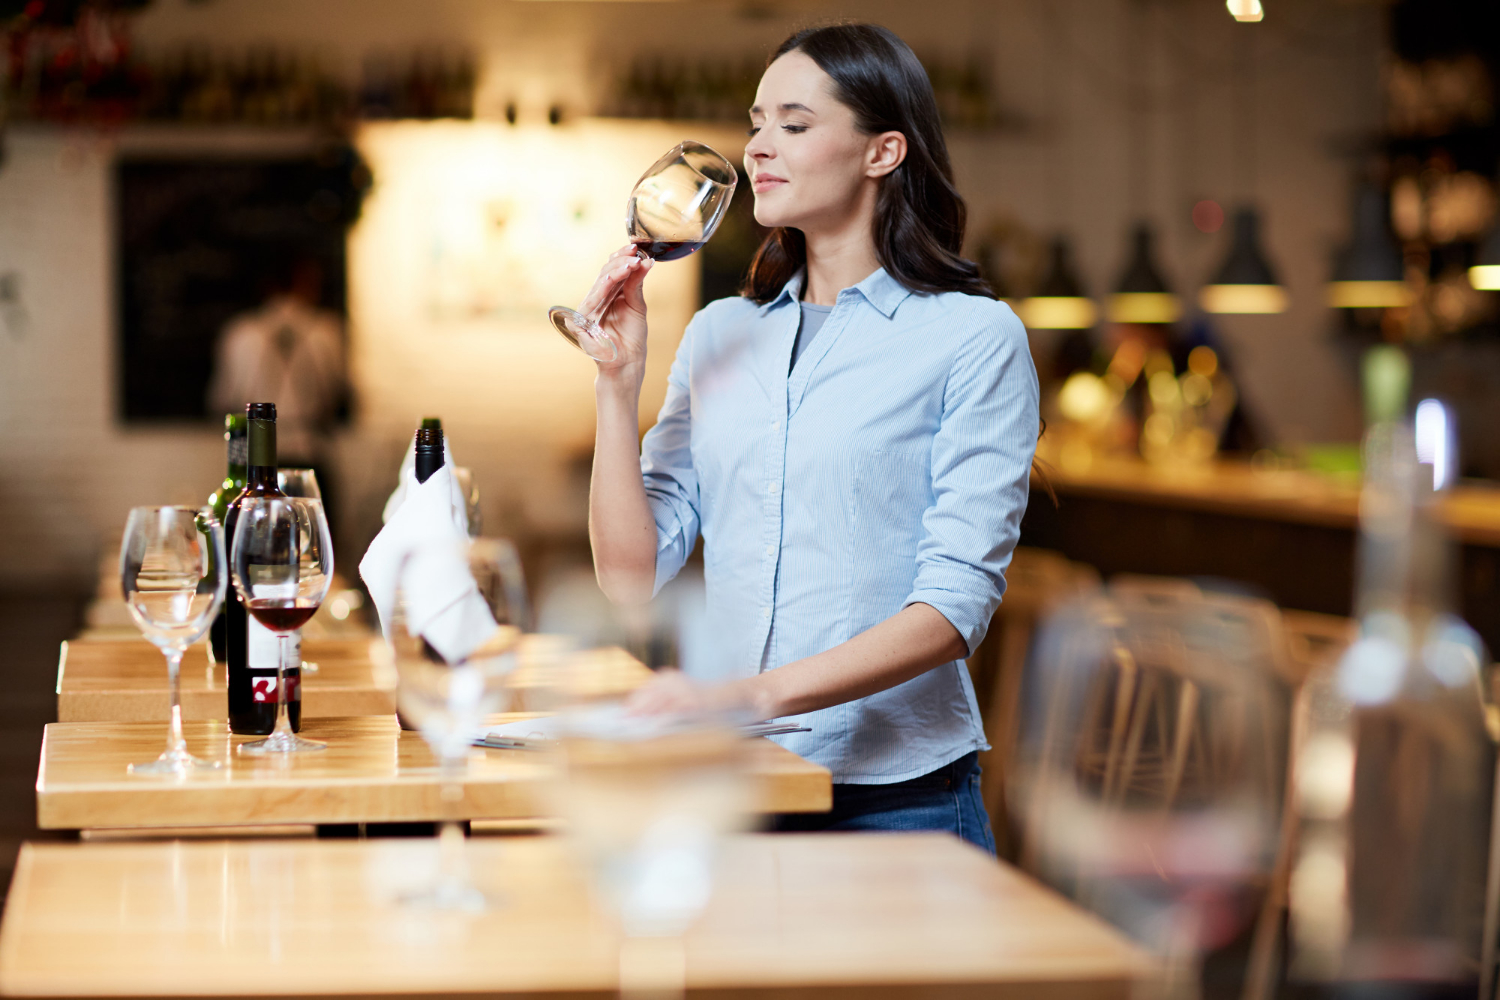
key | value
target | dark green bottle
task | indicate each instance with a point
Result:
(235, 431)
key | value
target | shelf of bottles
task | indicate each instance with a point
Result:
(90, 73)
(1439, 163)
(723, 89)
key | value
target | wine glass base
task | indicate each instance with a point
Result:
(281, 743)
(583, 333)
(450, 897)
(173, 762)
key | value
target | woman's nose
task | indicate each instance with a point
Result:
(757, 148)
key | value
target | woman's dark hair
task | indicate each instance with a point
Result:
(919, 215)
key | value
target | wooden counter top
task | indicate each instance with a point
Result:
(833, 914)
(1236, 488)
(372, 772)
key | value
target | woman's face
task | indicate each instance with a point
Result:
(806, 160)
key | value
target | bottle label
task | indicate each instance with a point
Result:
(263, 646)
(263, 689)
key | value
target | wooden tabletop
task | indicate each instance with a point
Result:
(1471, 510)
(371, 772)
(125, 680)
(866, 915)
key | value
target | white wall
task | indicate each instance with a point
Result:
(68, 472)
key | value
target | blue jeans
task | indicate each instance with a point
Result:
(947, 799)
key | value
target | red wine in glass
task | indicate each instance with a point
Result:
(672, 211)
(282, 616)
(664, 250)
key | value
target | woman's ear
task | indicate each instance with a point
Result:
(885, 153)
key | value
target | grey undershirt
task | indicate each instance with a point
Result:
(813, 318)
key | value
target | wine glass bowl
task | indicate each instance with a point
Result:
(172, 573)
(299, 483)
(672, 211)
(282, 565)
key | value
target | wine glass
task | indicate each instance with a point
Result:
(282, 563)
(452, 660)
(299, 483)
(1152, 764)
(172, 572)
(673, 210)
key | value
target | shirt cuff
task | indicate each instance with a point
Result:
(959, 609)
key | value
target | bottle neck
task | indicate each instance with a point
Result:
(260, 470)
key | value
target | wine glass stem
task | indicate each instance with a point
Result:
(451, 867)
(283, 716)
(598, 312)
(176, 744)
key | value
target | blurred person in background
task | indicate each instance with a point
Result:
(852, 436)
(289, 352)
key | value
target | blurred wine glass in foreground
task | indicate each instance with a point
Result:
(1152, 766)
(283, 564)
(173, 575)
(453, 661)
(299, 483)
(673, 210)
(647, 804)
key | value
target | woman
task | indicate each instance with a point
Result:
(852, 436)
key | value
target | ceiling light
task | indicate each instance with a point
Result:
(1142, 296)
(1245, 284)
(1248, 11)
(1370, 272)
(1059, 303)
(1485, 274)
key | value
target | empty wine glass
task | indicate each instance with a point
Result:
(282, 562)
(673, 210)
(452, 660)
(299, 483)
(172, 572)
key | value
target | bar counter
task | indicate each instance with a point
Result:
(1292, 534)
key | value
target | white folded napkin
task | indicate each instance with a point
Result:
(408, 474)
(422, 544)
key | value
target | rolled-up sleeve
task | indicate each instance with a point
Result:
(981, 466)
(667, 471)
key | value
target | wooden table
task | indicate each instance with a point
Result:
(125, 680)
(830, 914)
(108, 680)
(372, 772)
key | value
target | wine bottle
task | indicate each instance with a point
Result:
(429, 450)
(231, 487)
(253, 648)
(431, 424)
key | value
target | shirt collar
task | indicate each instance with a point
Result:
(879, 289)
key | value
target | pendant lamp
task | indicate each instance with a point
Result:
(1059, 303)
(1371, 272)
(1245, 283)
(1142, 296)
(1485, 274)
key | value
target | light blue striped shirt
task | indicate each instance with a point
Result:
(889, 467)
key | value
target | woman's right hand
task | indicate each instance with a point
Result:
(625, 318)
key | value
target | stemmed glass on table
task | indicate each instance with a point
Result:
(453, 655)
(172, 573)
(301, 482)
(672, 211)
(282, 564)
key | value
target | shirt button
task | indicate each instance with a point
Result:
(765, 612)
(776, 425)
(770, 550)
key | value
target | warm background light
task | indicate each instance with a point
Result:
(1144, 307)
(1058, 312)
(1243, 298)
(1368, 294)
